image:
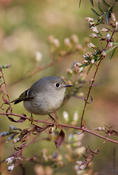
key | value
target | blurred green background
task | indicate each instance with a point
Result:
(24, 30)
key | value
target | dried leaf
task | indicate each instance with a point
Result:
(23, 133)
(114, 132)
(11, 127)
(94, 11)
(40, 129)
(91, 99)
(107, 17)
(60, 139)
(4, 133)
(105, 3)
(112, 53)
(111, 131)
(17, 121)
(91, 1)
(12, 136)
(99, 6)
(90, 67)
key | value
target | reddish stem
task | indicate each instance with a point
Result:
(93, 79)
(89, 91)
(6, 90)
(64, 126)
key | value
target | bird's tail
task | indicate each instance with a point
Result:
(23, 97)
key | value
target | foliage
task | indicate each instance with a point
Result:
(103, 27)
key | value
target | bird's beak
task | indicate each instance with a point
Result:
(68, 85)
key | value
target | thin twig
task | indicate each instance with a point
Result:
(93, 79)
(64, 126)
(89, 91)
(6, 90)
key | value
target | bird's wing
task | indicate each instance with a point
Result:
(25, 96)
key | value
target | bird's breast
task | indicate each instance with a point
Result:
(45, 103)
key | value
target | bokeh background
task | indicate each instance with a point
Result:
(25, 27)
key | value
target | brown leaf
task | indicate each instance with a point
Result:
(17, 121)
(60, 139)
(40, 129)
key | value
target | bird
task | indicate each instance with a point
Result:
(45, 96)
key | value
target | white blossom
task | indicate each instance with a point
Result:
(81, 69)
(16, 140)
(38, 56)
(76, 64)
(101, 128)
(110, 44)
(91, 45)
(74, 38)
(9, 160)
(79, 162)
(87, 55)
(75, 116)
(117, 26)
(11, 167)
(80, 150)
(56, 42)
(82, 167)
(94, 29)
(80, 172)
(113, 17)
(93, 35)
(85, 61)
(92, 61)
(65, 115)
(67, 42)
(108, 36)
(104, 30)
(103, 53)
(88, 19)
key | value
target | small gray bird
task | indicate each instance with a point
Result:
(45, 96)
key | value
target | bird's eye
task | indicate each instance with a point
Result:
(57, 84)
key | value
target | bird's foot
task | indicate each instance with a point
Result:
(55, 120)
(31, 119)
(52, 117)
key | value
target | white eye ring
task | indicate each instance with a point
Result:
(57, 84)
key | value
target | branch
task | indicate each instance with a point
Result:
(63, 126)
(5, 92)
(89, 91)
(94, 76)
